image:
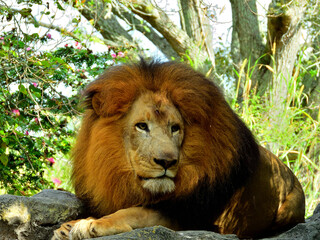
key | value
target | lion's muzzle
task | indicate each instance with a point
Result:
(166, 164)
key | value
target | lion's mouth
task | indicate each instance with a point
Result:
(162, 184)
(150, 178)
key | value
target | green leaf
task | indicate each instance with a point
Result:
(21, 44)
(35, 36)
(59, 6)
(3, 145)
(22, 89)
(4, 157)
(25, 12)
(146, 28)
(75, 20)
(37, 95)
(14, 54)
(45, 12)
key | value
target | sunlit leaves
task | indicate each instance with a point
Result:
(38, 103)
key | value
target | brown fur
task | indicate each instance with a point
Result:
(227, 183)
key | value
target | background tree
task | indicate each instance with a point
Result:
(275, 49)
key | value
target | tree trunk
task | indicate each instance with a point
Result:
(246, 39)
(173, 41)
(196, 24)
(311, 80)
(285, 29)
(190, 18)
(275, 60)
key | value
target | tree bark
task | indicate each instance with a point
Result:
(173, 41)
(273, 62)
(151, 34)
(246, 40)
(284, 33)
(183, 45)
(196, 24)
(191, 18)
(311, 80)
(106, 23)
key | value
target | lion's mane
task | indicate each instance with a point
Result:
(218, 152)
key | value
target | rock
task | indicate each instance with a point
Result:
(36, 217)
(303, 231)
(161, 233)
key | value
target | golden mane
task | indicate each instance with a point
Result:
(217, 147)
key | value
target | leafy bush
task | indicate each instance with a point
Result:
(39, 95)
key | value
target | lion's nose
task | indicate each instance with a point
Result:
(165, 163)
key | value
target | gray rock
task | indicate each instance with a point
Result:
(162, 233)
(36, 217)
(303, 231)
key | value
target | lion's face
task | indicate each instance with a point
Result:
(153, 137)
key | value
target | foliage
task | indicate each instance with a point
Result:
(39, 93)
(296, 139)
(296, 142)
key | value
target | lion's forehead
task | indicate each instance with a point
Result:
(155, 106)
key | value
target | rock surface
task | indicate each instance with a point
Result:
(36, 217)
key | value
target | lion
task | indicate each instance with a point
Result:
(159, 145)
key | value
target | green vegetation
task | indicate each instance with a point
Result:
(39, 99)
(293, 133)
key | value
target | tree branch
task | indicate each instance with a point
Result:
(177, 38)
(140, 25)
(107, 24)
(72, 35)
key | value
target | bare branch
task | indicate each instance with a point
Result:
(107, 24)
(177, 38)
(72, 35)
(141, 26)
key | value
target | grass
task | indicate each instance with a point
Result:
(295, 141)
(287, 129)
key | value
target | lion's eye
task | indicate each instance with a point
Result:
(142, 126)
(175, 128)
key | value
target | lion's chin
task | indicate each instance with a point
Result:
(158, 185)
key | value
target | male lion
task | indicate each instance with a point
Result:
(159, 145)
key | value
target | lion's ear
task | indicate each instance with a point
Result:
(92, 97)
(109, 98)
(96, 103)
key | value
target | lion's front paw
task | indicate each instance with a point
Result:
(62, 233)
(81, 230)
(89, 228)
